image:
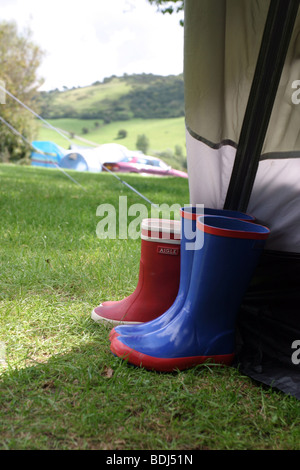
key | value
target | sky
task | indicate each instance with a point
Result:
(88, 40)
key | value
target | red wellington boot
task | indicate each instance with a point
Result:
(159, 274)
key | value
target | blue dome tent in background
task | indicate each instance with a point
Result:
(83, 160)
(54, 153)
(77, 158)
(92, 159)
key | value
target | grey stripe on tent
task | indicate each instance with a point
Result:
(264, 156)
(210, 144)
(280, 155)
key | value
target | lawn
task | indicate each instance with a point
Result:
(60, 386)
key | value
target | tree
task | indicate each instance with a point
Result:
(122, 134)
(20, 58)
(142, 143)
(169, 6)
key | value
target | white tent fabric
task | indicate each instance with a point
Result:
(222, 40)
(275, 199)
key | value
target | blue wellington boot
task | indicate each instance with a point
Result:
(204, 329)
(188, 233)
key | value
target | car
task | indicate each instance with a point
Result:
(144, 164)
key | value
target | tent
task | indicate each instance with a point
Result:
(87, 159)
(77, 158)
(242, 80)
(112, 152)
(53, 154)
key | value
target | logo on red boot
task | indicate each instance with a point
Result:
(162, 250)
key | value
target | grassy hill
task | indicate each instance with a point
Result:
(144, 96)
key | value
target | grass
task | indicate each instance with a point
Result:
(60, 387)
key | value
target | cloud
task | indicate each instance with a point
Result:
(88, 40)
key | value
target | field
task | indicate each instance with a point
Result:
(163, 134)
(60, 386)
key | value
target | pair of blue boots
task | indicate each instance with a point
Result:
(220, 250)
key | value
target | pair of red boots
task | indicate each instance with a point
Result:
(159, 275)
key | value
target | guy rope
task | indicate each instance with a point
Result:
(62, 134)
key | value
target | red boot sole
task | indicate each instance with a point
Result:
(164, 364)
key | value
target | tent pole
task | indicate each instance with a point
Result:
(276, 38)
